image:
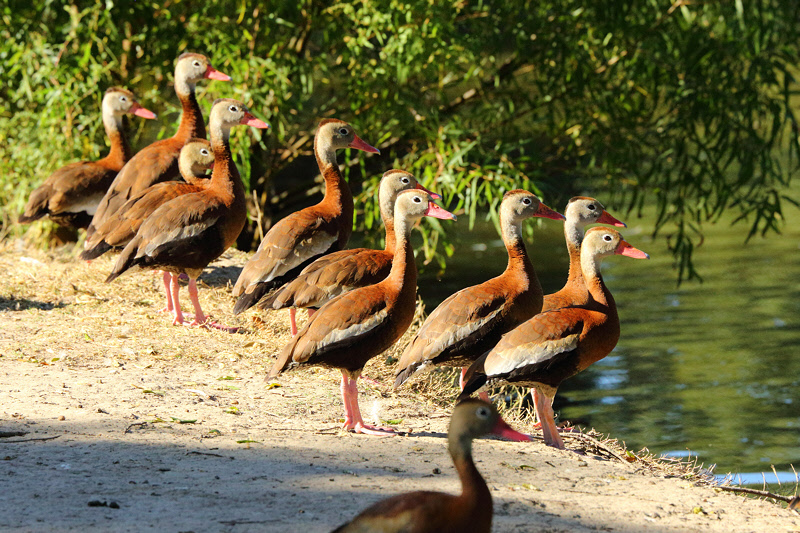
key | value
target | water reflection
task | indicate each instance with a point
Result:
(710, 367)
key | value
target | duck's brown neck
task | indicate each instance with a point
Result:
(474, 492)
(519, 263)
(192, 124)
(590, 265)
(404, 269)
(225, 179)
(338, 199)
(120, 151)
(573, 234)
(391, 239)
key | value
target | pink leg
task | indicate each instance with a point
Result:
(176, 303)
(535, 397)
(166, 277)
(348, 413)
(354, 421)
(311, 312)
(292, 321)
(544, 410)
(200, 319)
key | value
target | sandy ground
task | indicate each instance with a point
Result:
(114, 420)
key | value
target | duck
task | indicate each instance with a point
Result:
(437, 512)
(186, 233)
(196, 157)
(557, 344)
(71, 194)
(118, 230)
(471, 321)
(339, 272)
(580, 212)
(299, 239)
(159, 161)
(356, 326)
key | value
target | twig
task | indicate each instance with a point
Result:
(127, 429)
(756, 492)
(206, 453)
(29, 440)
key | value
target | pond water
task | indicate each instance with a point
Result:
(704, 369)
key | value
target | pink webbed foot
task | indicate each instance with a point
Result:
(210, 324)
(373, 430)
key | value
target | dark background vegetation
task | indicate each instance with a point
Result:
(685, 105)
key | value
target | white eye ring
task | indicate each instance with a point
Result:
(590, 207)
(482, 412)
(196, 63)
(233, 109)
(123, 98)
(203, 151)
(405, 180)
(417, 199)
(526, 201)
(343, 131)
(607, 237)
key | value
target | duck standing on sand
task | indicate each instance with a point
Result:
(185, 234)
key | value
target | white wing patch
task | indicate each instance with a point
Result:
(525, 354)
(299, 253)
(176, 234)
(356, 329)
(88, 204)
(459, 334)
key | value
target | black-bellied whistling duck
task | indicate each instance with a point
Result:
(159, 161)
(71, 194)
(471, 321)
(353, 328)
(339, 272)
(117, 230)
(557, 344)
(581, 211)
(185, 234)
(300, 238)
(120, 228)
(437, 512)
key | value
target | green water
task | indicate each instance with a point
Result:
(708, 368)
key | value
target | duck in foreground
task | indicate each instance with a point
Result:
(185, 234)
(557, 344)
(300, 238)
(336, 273)
(159, 161)
(71, 194)
(437, 512)
(471, 321)
(353, 328)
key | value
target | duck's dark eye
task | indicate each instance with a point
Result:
(482, 413)
(607, 237)
(203, 152)
(417, 199)
(590, 207)
(196, 63)
(343, 131)
(123, 98)
(404, 180)
(526, 201)
(233, 109)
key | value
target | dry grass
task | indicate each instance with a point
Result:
(65, 311)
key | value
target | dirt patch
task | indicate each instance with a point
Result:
(111, 419)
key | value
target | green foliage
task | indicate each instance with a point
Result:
(687, 105)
